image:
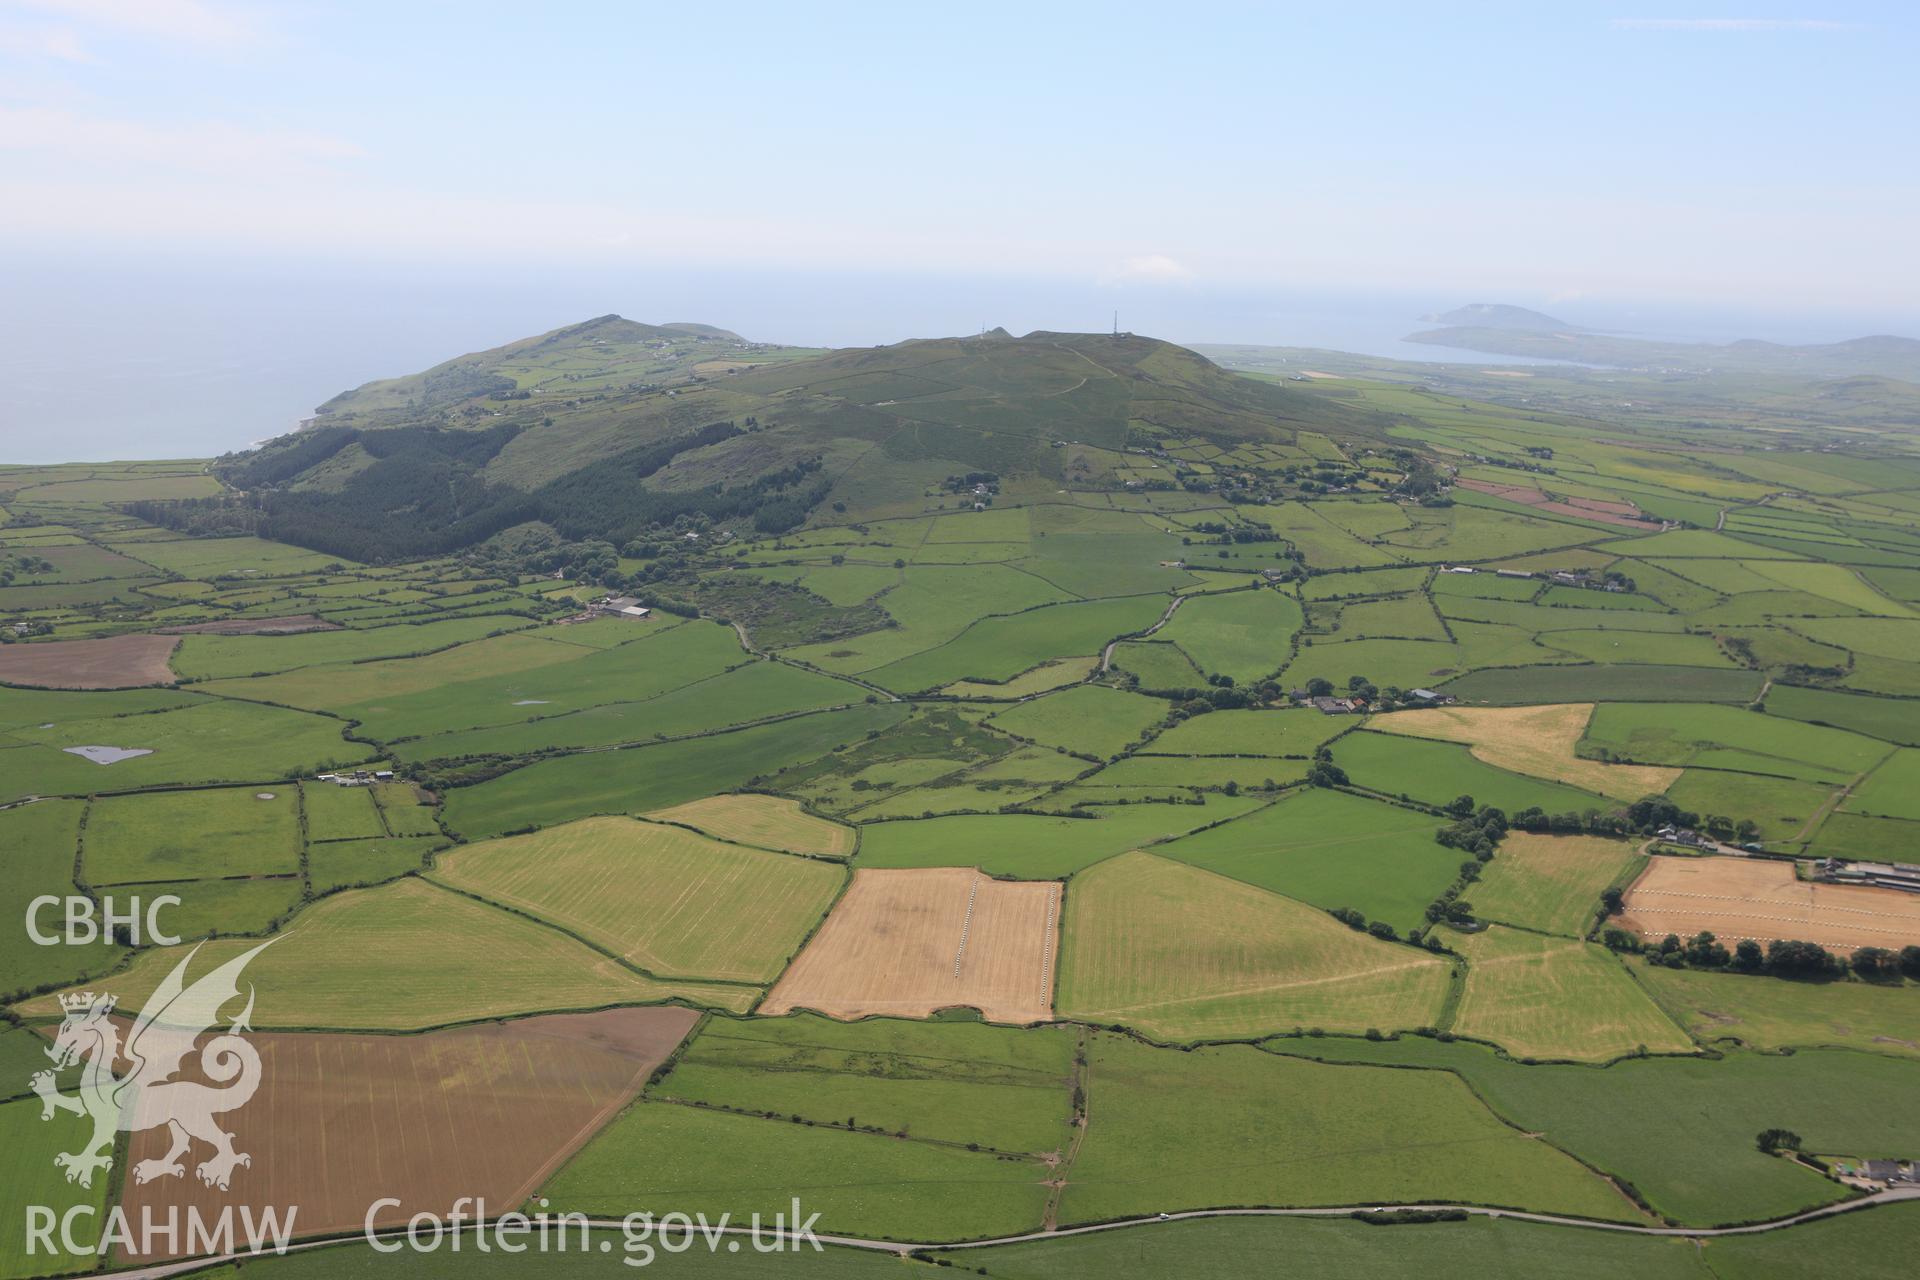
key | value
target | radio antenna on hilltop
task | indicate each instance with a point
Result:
(1116, 323)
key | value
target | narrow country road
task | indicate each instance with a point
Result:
(160, 1270)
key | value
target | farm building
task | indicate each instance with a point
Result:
(1428, 695)
(1885, 875)
(1890, 1171)
(618, 607)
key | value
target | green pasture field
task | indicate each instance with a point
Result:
(1250, 733)
(192, 835)
(1040, 679)
(1366, 582)
(38, 844)
(1436, 773)
(1892, 790)
(1728, 738)
(340, 813)
(403, 811)
(957, 1082)
(34, 708)
(1543, 619)
(1484, 585)
(1331, 850)
(1781, 807)
(1480, 1247)
(1692, 544)
(208, 740)
(226, 907)
(1897, 639)
(761, 690)
(1640, 647)
(652, 777)
(1521, 686)
(1556, 998)
(665, 1157)
(425, 947)
(1681, 1129)
(1550, 883)
(1167, 772)
(1243, 634)
(1852, 835)
(1158, 665)
(1774, 1013)
(346, 864)
(1874, 1243)
(1411, 664)
(229, 657)
(1086, 718)
(1396, 617)
(1183, 954)
(28, 1175)
(1831, 581)
(238, 557)
(1036, 846)
(80, 562)
(337, 686)
(932, 605)
(999, 648)
(1890, 719)
(1584, 598)
(400, 701)
(673, 902)
(1170, 1131)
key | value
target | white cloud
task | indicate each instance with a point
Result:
(183, 21)
(207, 146)
(60, 43)
(1150, 268)
(1733, 24)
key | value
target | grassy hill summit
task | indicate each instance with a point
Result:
(610, 429)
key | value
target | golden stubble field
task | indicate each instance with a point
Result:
(904, 943)
(1735, 898)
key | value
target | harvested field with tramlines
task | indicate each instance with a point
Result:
(771, 822)
(118, 662)
(1536, 741)
(905, 943)
(341, 1121)
(672, 901)
(1736, 898)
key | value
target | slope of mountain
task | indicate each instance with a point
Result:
(602, 353)
(558, 430)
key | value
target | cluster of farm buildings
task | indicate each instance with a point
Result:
(1884, 875)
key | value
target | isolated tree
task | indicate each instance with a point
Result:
(1772, 1140)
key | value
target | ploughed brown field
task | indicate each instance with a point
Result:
(341, 1121)
(288, 625)
(1598, 509)
(1735, 898)
(117, 662)
(904, 943)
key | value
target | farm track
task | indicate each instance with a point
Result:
(1892, 1196)
(1106, 654)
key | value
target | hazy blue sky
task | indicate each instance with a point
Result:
(1671, 148)
(827, 172)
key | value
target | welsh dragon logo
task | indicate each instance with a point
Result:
(148, 1096)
